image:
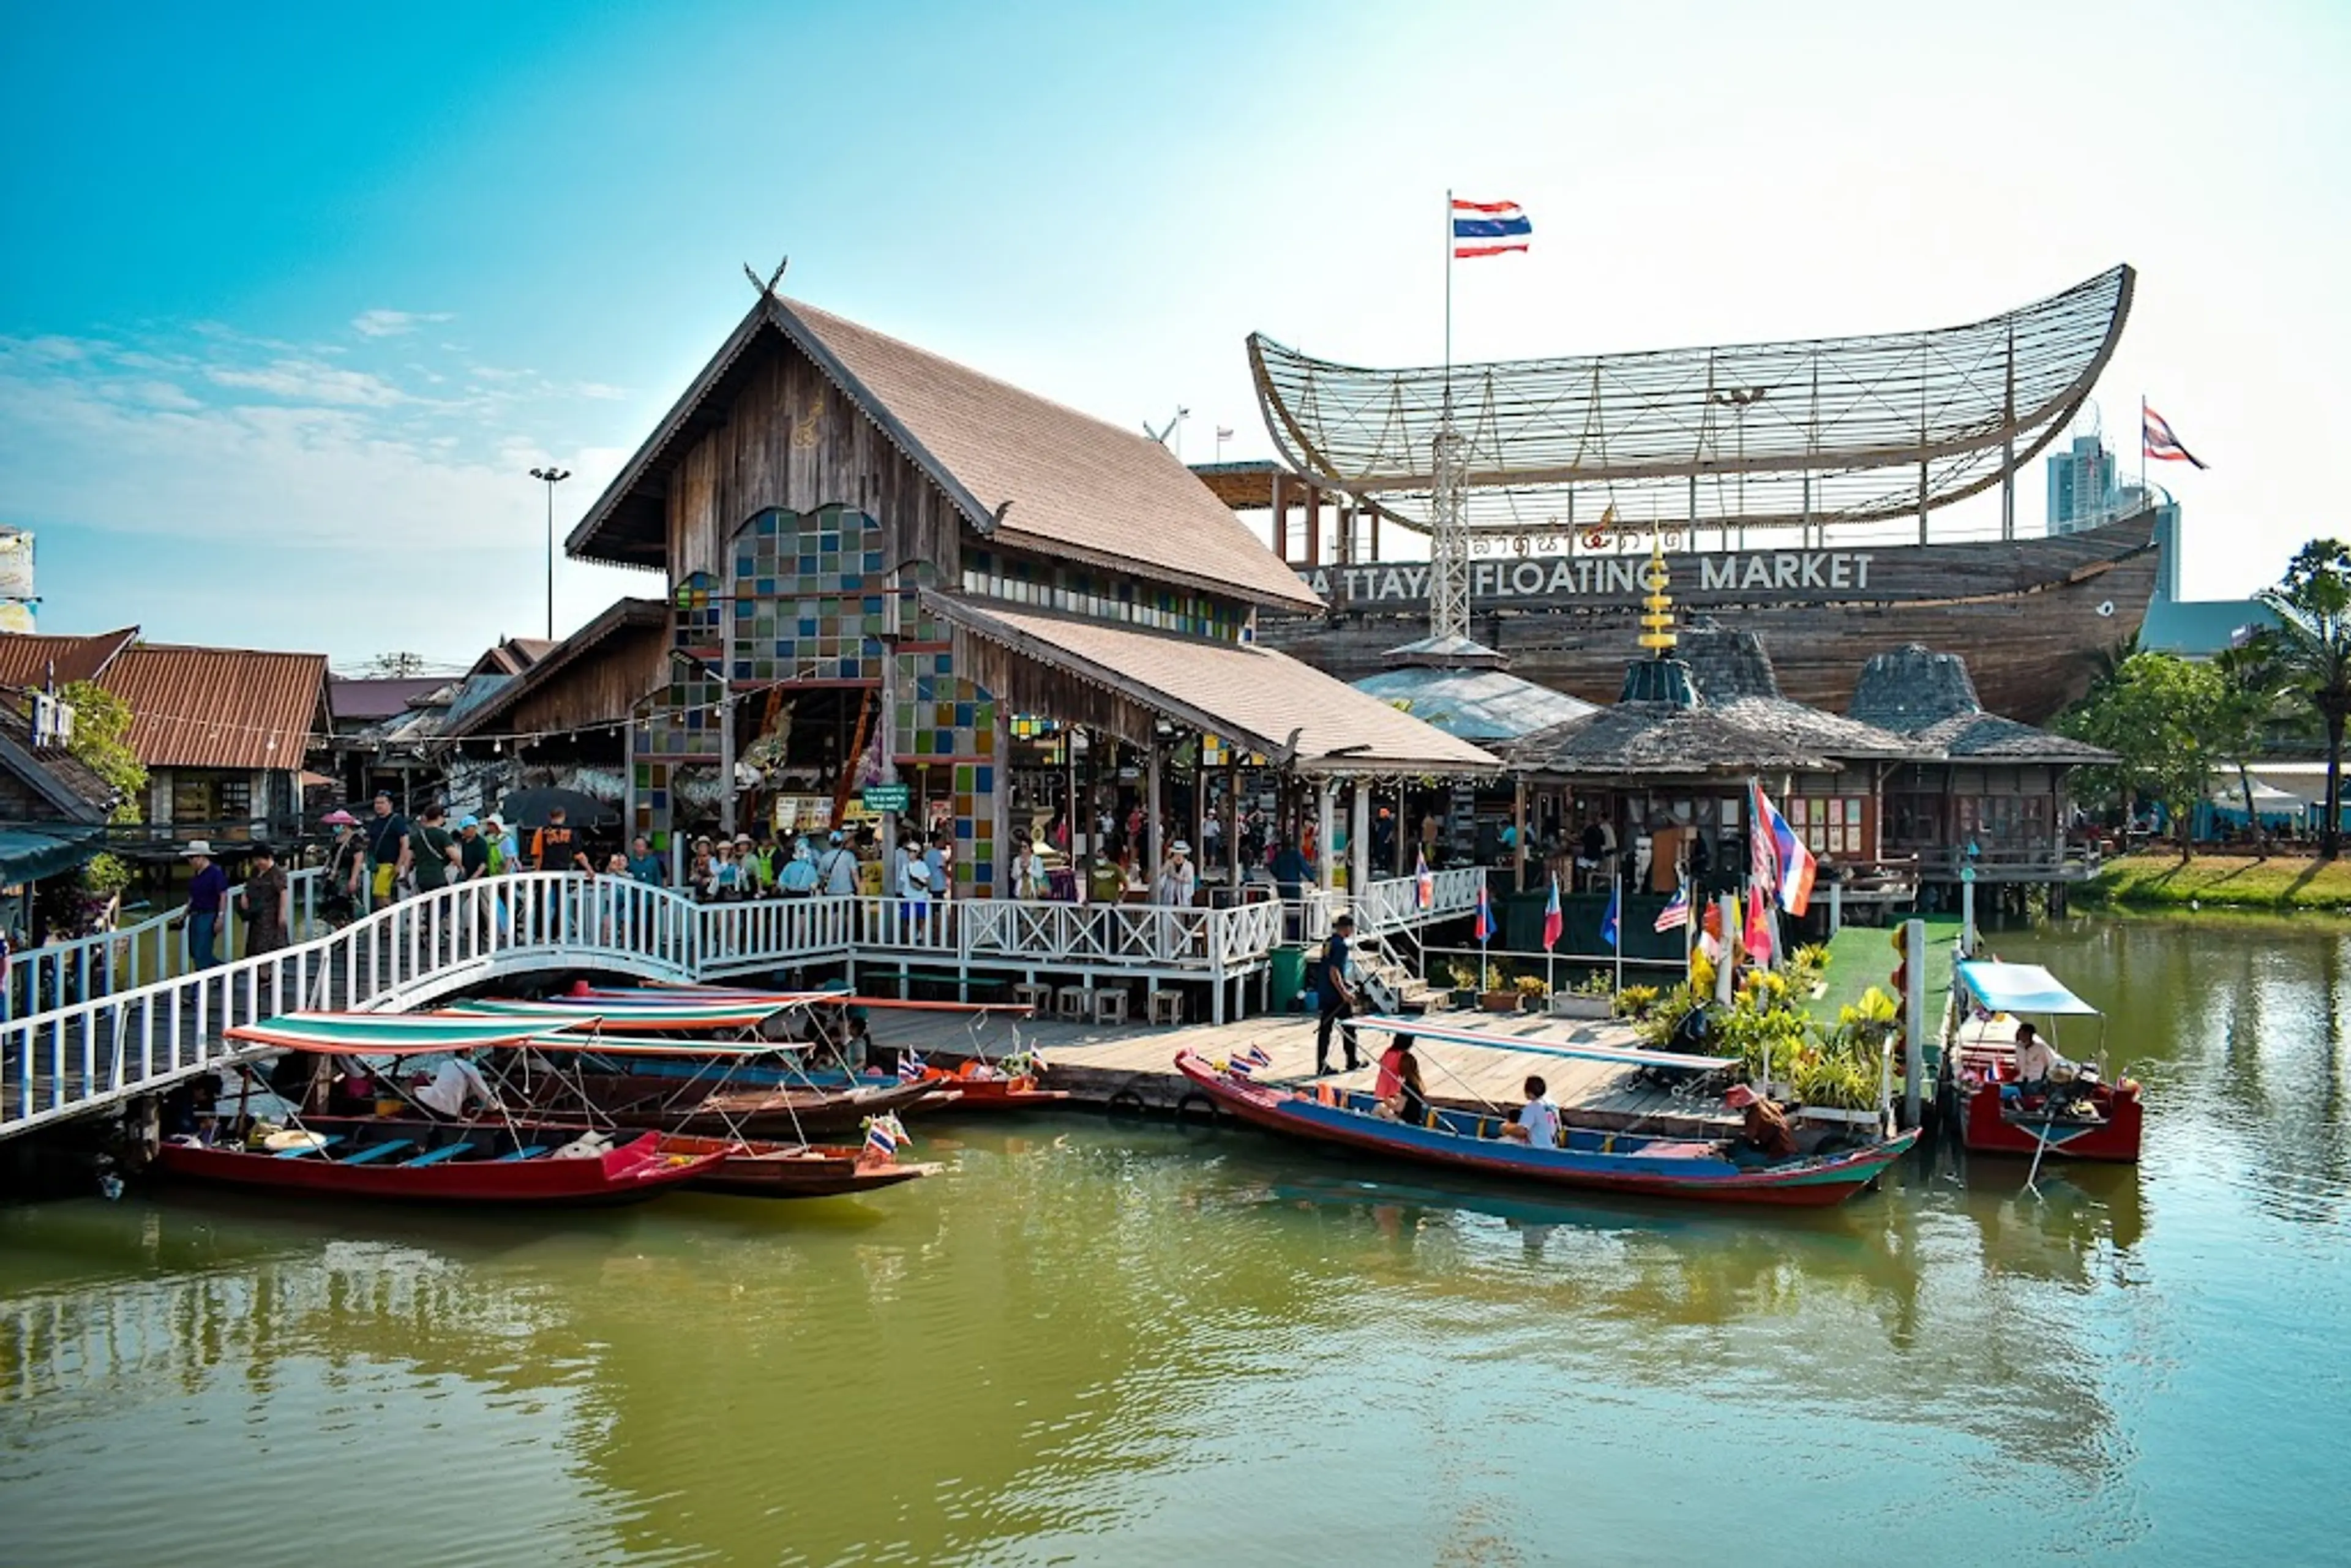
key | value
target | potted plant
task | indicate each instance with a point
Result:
(1592, 997)
(1462, 980)
(1502, 998)
(1635, 1002)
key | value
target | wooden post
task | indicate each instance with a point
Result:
(1281, 519)
(1313, 526)
(1325, 789)
(999, 807)
(1518, 833)
(1233, 818)
(1359, 843)
(1375, 531)
(1914, 1016)
(1148, 852)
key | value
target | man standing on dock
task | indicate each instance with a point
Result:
(1338, 998)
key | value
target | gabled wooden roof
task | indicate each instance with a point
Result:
(1021, 468)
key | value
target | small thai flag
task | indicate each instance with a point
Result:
(910, 1067)
(1488, 228)
(882, 1136)
(1553, 921)
(1240, 1067)
(2162, 444)
(1484, 916)
(1792, 862)
(1423, 881)
(1612, 929)
(1675, 914)
(1255, 1056)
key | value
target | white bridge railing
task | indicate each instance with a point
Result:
(57, 974)
(136, 1039)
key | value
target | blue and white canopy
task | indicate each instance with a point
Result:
(2019, 989)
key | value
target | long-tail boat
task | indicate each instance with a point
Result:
(422, 1160)
(631, 1080)
(2085, 1119)
(1595, 1158)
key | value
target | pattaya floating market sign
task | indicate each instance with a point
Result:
(1723, 577)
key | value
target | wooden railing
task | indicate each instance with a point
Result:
(57, 974)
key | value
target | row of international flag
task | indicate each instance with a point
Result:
(1781, 866)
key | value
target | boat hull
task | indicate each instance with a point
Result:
(632, 1172)
(2036, 618)
(1808, 1182)
(1988, 1127)
(783, 1170)
(783, 1115)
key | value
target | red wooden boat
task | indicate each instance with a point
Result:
(2090, 1120)
(439, 1162)
(789, 1170)
(699, 1087)
(1603, 1161)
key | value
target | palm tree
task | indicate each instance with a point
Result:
(2313, 604)
(2257, 686)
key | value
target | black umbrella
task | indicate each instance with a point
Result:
(530, 808)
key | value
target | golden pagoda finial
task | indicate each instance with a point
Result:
(1657, 616)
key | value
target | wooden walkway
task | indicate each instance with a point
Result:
(1097, 1062)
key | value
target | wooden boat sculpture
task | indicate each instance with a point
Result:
(2089, 1120)
(1601, 1161)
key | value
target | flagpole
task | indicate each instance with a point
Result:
(1617, 902)
(1449, 318)
(2142, 448)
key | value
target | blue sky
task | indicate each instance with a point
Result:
(295, 296)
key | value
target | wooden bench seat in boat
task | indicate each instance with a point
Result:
(378, 1151)
(434, 1156)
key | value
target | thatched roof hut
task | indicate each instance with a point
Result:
(1929, 698)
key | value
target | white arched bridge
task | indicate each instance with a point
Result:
(106, 1019)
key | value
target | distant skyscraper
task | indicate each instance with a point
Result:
(2083, 493)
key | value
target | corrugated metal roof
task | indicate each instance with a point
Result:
(1476, 706)
(1250, 694)
(363, 699)
(26, 658)
(218, 707)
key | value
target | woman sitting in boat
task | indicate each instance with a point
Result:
(1410, 1102)
(1765, 1138)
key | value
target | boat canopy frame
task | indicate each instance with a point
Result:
(1832, 430)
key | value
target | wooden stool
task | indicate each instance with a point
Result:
(1166, 1007)
(1038, 999)
(1073, 1002)
(1109, 1006)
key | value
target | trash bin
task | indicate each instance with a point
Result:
(1289, 977)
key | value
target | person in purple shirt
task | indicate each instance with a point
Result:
(207, 895)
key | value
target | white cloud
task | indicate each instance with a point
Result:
(380, 323)
(308, 378)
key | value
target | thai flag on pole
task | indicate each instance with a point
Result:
(1790, 854)
(1255, 1056)
(910, 1067)
(1553, 921)
(882, 1136)
(1611, 930)
(1423, 881)
(1485, 917)
(1676, 914)
(2155, 434)
(1488, 228)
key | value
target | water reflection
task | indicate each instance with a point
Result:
(1083, 1334)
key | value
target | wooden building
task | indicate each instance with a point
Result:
(882, 563)
(1978, 792)
(226, 733)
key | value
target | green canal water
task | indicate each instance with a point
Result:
(1090, 1342)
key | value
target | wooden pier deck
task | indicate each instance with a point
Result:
(1098, 1063)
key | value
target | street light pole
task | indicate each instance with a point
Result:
(550, 477)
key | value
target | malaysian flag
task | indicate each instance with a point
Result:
(1488, 228)
(1675, 914)
(2155, 434)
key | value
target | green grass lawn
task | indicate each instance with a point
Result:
(1861, 956)
(2162, 880)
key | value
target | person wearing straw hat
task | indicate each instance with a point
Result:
(1178, 880)
(346, 865)
(207, 895)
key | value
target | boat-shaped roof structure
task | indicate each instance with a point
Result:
(1830, 430)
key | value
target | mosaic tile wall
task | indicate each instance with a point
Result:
(808, 606)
